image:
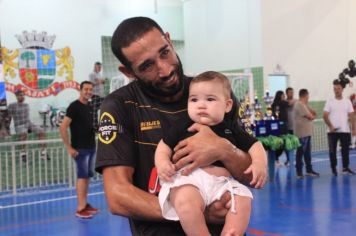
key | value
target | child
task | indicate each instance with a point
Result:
(184, 198)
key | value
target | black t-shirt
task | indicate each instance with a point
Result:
(131, 125)
(237, 136)
(282, 107)
(81, 128)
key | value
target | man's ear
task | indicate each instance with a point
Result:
(229, 103)
(127, 72)
(168, 38)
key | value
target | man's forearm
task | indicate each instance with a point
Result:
(65, 137)
(127, 200)
(237, 161)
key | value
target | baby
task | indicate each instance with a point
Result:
(185, 198)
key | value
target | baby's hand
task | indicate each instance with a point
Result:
(165, 171)
(259, 173)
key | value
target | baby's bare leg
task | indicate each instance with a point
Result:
(236, 223)
(189, 206)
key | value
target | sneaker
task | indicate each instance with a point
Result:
(91, 209)
(84, 214)
(23, 156)
(347, 171)
(300, 176)
(312, 173)
(334, 171)
(44, 155)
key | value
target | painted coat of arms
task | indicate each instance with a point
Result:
(41, 70)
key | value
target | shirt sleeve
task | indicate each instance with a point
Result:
(116, 144)
(10, 110)
(70, 111)
(303, 110)
(91, 77)
(327, 106)
(350, 107)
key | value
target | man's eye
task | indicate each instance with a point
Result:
(146, 67)
(165, 52)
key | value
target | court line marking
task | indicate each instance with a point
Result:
(45, 201)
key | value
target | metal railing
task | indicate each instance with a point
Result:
(319, 138)
(34, 172)
(17, 175)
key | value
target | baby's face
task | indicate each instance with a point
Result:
(207, 103)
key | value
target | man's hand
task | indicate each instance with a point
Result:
(198, 150)
(72, 152)
(215, 213)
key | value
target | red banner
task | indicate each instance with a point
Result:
(54, 89)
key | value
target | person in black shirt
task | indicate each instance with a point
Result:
(280, 111)
(131, 123)
(79, 119)
(184, 198)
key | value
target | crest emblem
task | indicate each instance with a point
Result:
(38, 66)
(108, 128)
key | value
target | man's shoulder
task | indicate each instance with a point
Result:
(128, 93)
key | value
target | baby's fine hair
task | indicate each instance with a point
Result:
(213, 75)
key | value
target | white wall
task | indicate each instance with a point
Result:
(222, 34)
(79, 24)
(311, 39)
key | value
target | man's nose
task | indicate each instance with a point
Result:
(164, 68)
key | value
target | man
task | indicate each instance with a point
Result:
(79, 119)
(337, 113)
(131, 123)
(291, 101)
(20, 112)
(303, 117)
(98, 90)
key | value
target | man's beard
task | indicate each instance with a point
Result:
(157, 91)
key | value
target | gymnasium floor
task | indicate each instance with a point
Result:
(287, 206)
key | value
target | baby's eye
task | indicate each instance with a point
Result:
(211, 99)
(193, 100)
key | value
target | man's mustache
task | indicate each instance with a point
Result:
(165, 78)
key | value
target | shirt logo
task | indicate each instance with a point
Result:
(148, 125)
(227, 131)
(108, 128)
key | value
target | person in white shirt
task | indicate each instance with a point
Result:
(337, 113)
(98, 90)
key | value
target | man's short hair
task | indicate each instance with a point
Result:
(84, 83)
(19, 92)
(213, 75)
(289, 89)
(127, 32)
(98, 63)
(303, 93)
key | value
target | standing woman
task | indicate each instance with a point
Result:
(280, 111)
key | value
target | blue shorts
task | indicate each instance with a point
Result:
(85, 162)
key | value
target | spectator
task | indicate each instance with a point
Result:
(337, 112)
(20, 112)
(303, 117)
(98, 90)
(81, 148)
(279, 109)
(291, 101)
